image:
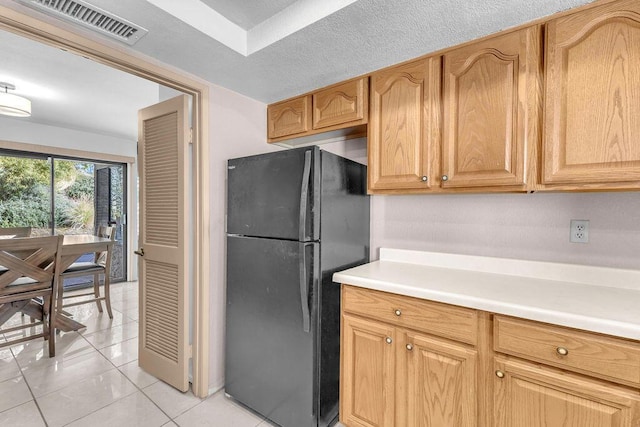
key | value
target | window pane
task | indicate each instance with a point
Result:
(74, 197)
(25, 193)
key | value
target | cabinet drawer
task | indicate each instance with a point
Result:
(596, 355)
(343, 103)
(452, 322)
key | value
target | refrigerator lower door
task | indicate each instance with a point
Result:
(270, 338)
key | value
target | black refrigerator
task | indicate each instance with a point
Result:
(294, 217)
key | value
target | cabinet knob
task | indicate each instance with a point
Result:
(445, 178)
(499, 374)
(388, 340)
(409, 347)
(425, 178)
(398, 312)
(562, 351)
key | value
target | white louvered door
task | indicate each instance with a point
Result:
(163, 342)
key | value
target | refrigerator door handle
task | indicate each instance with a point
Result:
(304, 288)
(304, 195)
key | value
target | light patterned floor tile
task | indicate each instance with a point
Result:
(9, 368)
(35, 354)
(125, 302)
(46, 379)
(130, 313)
(93, 320)
(170, 400)
(25, 415)
(113, 335)
(5, 352)
(13, 392)
(133, 410)
(170, 424)
(217, 410)
(136, 375)
(122, 353)
(85, 397)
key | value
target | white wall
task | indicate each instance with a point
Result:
(238, 128)
(529, 226)
(16, 130)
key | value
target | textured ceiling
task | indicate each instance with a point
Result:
(248, 13)
(359, 37)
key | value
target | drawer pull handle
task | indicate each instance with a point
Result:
(409, 347)
(562, 351)
(398, 312)
(499, 374)
(389, 340)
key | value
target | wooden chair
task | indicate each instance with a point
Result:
(101, 264)
(15, 232)
(29, 284)
(12, 232)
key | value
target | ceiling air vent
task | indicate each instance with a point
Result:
(90, 16)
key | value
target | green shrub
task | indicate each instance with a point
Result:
(81, 212)
(82, 186)
(30, 210)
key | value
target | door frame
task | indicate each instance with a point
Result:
(64, 36)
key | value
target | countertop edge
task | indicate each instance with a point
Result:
(588, 323)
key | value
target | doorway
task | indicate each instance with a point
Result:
(62, 38)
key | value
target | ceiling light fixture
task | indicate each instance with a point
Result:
(13, 105)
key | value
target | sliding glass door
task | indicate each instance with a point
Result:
(55, 195)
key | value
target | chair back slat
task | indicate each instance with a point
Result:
(108, 233)
(33, 258)
(15, 231)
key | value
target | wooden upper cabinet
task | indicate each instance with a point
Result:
(491, 110)
(342, 103)
(592, 106)
(404, 131)
(289, 117)
(338, 111)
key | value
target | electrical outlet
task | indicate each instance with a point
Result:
(579, 231)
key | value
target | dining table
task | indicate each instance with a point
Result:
(73, 247)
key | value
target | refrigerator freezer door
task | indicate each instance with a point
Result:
(270, 358)
(274, 195)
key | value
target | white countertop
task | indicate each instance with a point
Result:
(598, 299)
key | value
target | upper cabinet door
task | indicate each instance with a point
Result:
(592, 109)
(343, 103)
(491, 110)
(289, 117)
(404, 127)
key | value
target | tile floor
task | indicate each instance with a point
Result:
(94, 380)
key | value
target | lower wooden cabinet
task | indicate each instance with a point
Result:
(393, 376)
(529, 395)
(439, 388)
(368, 373)
(508, 373)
